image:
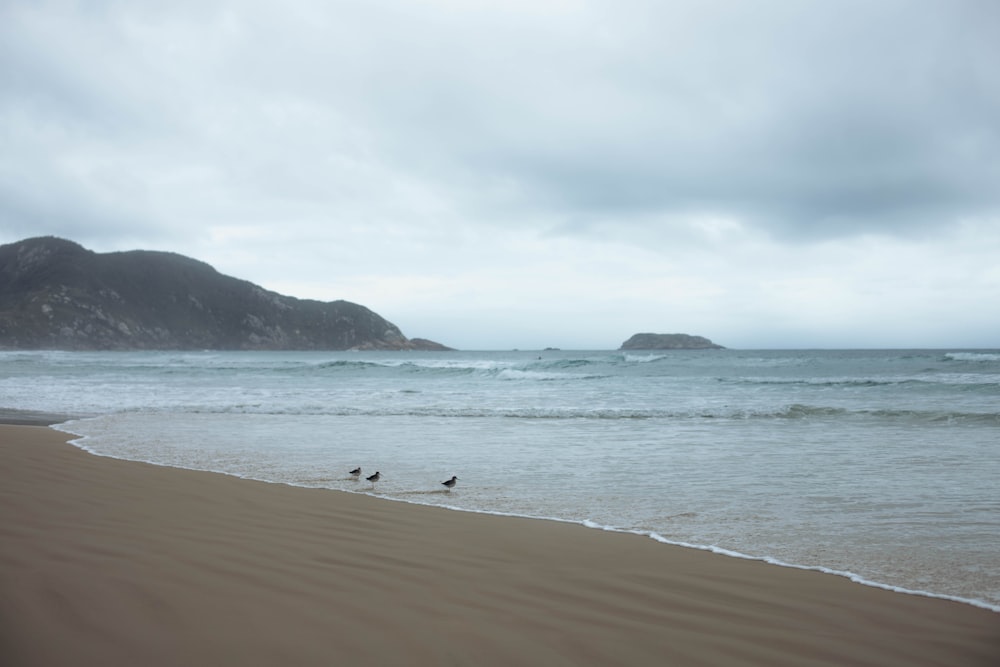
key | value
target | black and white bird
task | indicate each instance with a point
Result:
(356, 473)
(451, 482)
(374, 478)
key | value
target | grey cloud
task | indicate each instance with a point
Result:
(841, 162)
(860, 118)
(806, 121)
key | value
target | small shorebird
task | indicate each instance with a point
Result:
(356, 473)
(451, 482)
(374, 478)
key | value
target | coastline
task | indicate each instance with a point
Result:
(130, 562)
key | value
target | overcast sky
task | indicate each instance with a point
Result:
(524, 174)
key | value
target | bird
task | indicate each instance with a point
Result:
(374, 478)
(451, 482)
(356, 473)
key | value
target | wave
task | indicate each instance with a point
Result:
(390, 366)
(922, 416)
(565, 369)
(953, 380)
(520, 374)
(642, 358)
(979, 357)
(795, 411)
(824, 382)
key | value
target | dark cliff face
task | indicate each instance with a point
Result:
(55, 294)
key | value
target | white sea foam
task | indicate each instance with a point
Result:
(973, 356)
(642, 358)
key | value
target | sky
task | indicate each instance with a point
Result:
(530, 174)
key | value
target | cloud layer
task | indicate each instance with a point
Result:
(526, 174)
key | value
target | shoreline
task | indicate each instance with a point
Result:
(54, 421)
(132, 563)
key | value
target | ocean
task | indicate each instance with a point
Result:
(879, 465)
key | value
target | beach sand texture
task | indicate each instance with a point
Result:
(108, 562)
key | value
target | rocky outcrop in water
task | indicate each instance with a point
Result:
(651, 341)
(56, 294)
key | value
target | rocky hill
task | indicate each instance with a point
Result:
(55, 294)
(650, 341)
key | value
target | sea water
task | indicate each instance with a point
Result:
(879, 465)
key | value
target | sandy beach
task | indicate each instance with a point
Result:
(108, 562)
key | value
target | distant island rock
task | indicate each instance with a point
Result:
(651, 341)
(56, 294)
